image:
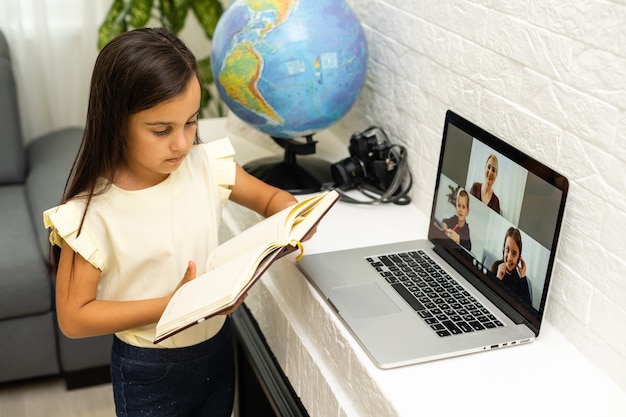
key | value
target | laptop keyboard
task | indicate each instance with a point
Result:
(438, 299)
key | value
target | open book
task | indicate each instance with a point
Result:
(234, 266)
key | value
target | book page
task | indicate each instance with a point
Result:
(273, 230)
(312, 215)
(209, 292)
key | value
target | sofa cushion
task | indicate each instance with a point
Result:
(50, 159)
(29, 350)
(12, 157)
(24, 283)
(89, 352)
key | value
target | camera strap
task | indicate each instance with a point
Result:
(398, 190)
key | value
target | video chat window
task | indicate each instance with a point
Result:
(505, 217)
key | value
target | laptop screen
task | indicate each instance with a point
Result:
(496, 216)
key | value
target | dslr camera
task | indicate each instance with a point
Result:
(369, 165)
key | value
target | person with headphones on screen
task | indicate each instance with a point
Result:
(511, 269)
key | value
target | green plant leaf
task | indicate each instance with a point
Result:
(114, 23)
(204, 71)
(206, 79)
(205, 98)
(140, 12)
(173, 14)
(208, 13)
(452, 194)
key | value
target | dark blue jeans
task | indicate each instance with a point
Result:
(191, 381)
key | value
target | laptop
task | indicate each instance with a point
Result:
(478, 282)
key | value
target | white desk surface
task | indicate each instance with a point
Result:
(334, 376)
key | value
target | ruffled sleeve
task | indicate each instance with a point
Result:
(64, 222)
(221, 152)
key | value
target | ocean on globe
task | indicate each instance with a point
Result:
(289, 68)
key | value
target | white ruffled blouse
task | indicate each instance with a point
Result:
(142, 240)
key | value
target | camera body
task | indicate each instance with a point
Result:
(369, 164)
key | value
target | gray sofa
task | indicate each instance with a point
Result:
(32, 178)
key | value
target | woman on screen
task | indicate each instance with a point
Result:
(484, 191)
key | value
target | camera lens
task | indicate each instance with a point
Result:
(347, 173)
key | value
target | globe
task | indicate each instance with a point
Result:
(289, 68)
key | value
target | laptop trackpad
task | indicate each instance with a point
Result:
(365, 300)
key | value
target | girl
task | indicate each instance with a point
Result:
(511, 269)
(141, 208)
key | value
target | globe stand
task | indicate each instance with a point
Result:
(296, 175)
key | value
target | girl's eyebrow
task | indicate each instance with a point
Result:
(158, 123)
(161, 123)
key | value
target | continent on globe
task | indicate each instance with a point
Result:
(242, 68)
(289, 68)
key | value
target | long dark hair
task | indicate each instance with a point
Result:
(135, 71)
(515, 234)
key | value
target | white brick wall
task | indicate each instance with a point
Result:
(548, 77)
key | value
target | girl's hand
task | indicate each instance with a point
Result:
(521, 267)
(501, 271)
(190, 274)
